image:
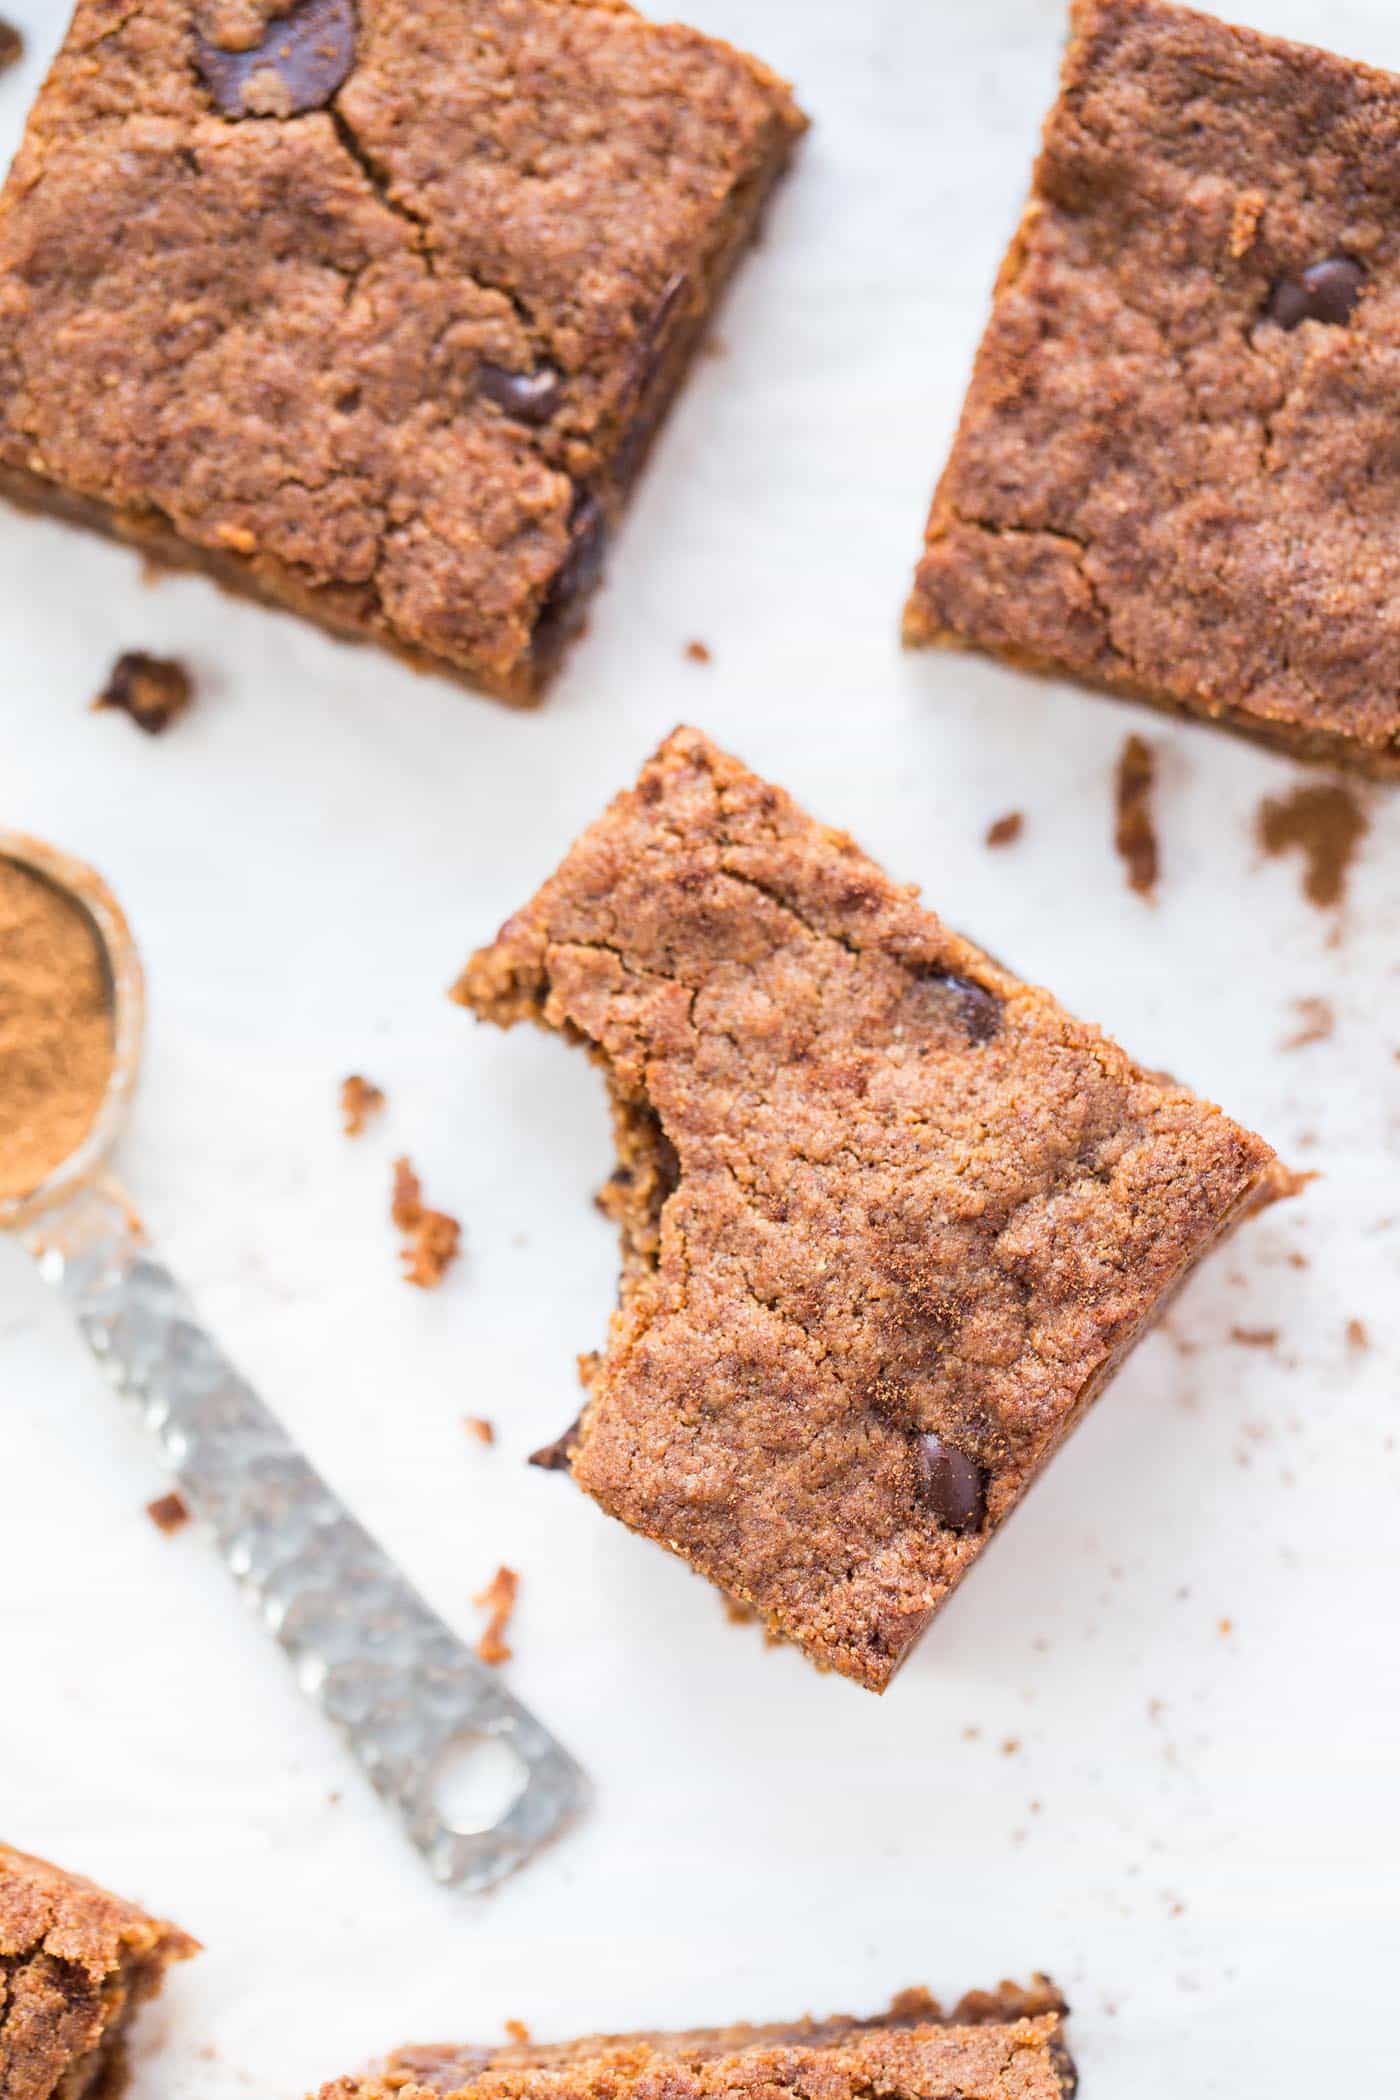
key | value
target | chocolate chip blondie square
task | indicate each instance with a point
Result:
(75, 1964)
(890, 1217)
(372, 307)
(1177, 473)
(1007, 2044)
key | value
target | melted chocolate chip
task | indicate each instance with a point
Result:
(954, 1487)
(558, 1456)
(562, 611)
(297, 64)
(530, 397)
(1326, 291)
(936, 993)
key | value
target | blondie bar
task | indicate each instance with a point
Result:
(1007, 2044)
(889, 1216)
(1175, 475)
(372, 307)
(75, 1963)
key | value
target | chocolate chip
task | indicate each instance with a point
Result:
(954, 1487)
(558, 1456)
(938, 994)
(153, 690)
(297, 64)
(1326, 291)
(530, 397)
(562, 611)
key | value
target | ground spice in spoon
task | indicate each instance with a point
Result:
(55, 1028)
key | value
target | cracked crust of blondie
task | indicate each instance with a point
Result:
(1002, 2045)
(890, 1217)
(1174, 475)
(371, 308)
(75, 1965)
(445, 2069)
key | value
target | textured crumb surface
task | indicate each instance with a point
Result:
(75, 1963)
(889, 1216)
(1006, 2044)
(259, 310)
(1175, 473)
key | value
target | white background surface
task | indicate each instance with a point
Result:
(1198, 1831)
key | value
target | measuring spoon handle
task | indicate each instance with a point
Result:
(396, 1681)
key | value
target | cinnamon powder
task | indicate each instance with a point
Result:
(55, 1028)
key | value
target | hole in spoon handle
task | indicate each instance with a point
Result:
(400, 1686)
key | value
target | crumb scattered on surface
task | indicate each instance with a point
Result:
(1227, 1627)
(558, 1456)
(1135, 833)
(1006, 830)
(698, 653)
(169, 1513)
(432, 1239)
(1317, 1022)
(1326, 824)
(359, 1100)
(11, 45)
(1011, 1746)
(153, 690)
(1255, 1337)
(1357, 1336)
(498, 1600)
(518, 2032)
(480, 1428)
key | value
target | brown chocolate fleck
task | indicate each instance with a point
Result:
(1135, 833)
(558, 1456)
(953, 1485)
(1325, 823)
(530, 397)
(935, 995)
(153, 690)
(11, 45)
(432, 1239)
(169, 1513)
(1006, 830)
(304, 55)
(359, 1100)
(561, 615)
(498, 1601)
(1326, 291)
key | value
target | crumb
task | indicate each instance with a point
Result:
(1006, 830)
(169, 1513)
(11, 45)
(1255, 1337)
(432, 1239)
(972, 1733)
(1011, 1746)
(1318, 1023)
(154, 690)
(1326, 824)
(1135, 834)
(359, 1100)
(497, 1599)
(1357, 1337)
(737, 1614)
(333, 1799)
(698, 653)
(518, 2032)
(1226, 1627)
(480, 1428)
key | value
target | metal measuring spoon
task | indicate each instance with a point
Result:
(409, 1698)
